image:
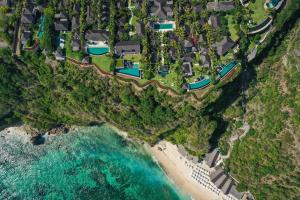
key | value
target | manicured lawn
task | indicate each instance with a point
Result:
(258, 12)
(119, 63)
(134, 57)
(231, 26)
(102, 62)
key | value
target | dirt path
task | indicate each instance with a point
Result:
(245, 128)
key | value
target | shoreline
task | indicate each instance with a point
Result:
(176, 172)
(172, 169)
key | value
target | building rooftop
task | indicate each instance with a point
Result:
(61, 25)
(128, 47)
(187, 68)
(140, 28)
(227, 185)
(211, 158)
(97, 35)
(224, 46)
(27, 19)
(216, 174)
(162, 9)
(220, 6)
(5, 3)
(235, 193)
(75, 22)
(214, 21)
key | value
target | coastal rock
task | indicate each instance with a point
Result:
(59, 130)
(38, 139)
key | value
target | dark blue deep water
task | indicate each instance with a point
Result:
(90, 163)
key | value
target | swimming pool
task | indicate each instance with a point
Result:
(227, 68)
(200, 84)
(163, 26)
(41, 28)
(135, 72)
(273, 3)
(97, 50)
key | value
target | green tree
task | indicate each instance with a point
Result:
(48, 38)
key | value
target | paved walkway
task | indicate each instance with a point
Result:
(131, 18)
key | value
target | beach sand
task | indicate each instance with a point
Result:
(178, 173)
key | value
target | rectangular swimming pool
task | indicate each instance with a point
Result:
(41, 28)
(135, 72)
(163, 26)
(97, 50)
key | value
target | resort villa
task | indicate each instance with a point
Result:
(97, 42)
(162, 13)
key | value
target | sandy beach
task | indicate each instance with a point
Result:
(179, 173)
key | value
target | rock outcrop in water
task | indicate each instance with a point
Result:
(38, 139)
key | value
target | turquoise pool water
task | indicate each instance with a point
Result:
(163, 26)
(273, 3)
(135, 72)
(88, 164)
(200, 84)
(205, 82)
(41, 27)
(97, 50)
(227, 68)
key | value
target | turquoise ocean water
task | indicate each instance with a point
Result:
(91, 163)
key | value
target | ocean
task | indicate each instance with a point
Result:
(89, 163)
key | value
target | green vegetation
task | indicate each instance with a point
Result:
(266, 95)
(266, 161)
(69, 53)
(103, 62)
(171, 80)
(48, 38)
(45, 98)
(233, 28)
(257, 11)
(134, 58)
